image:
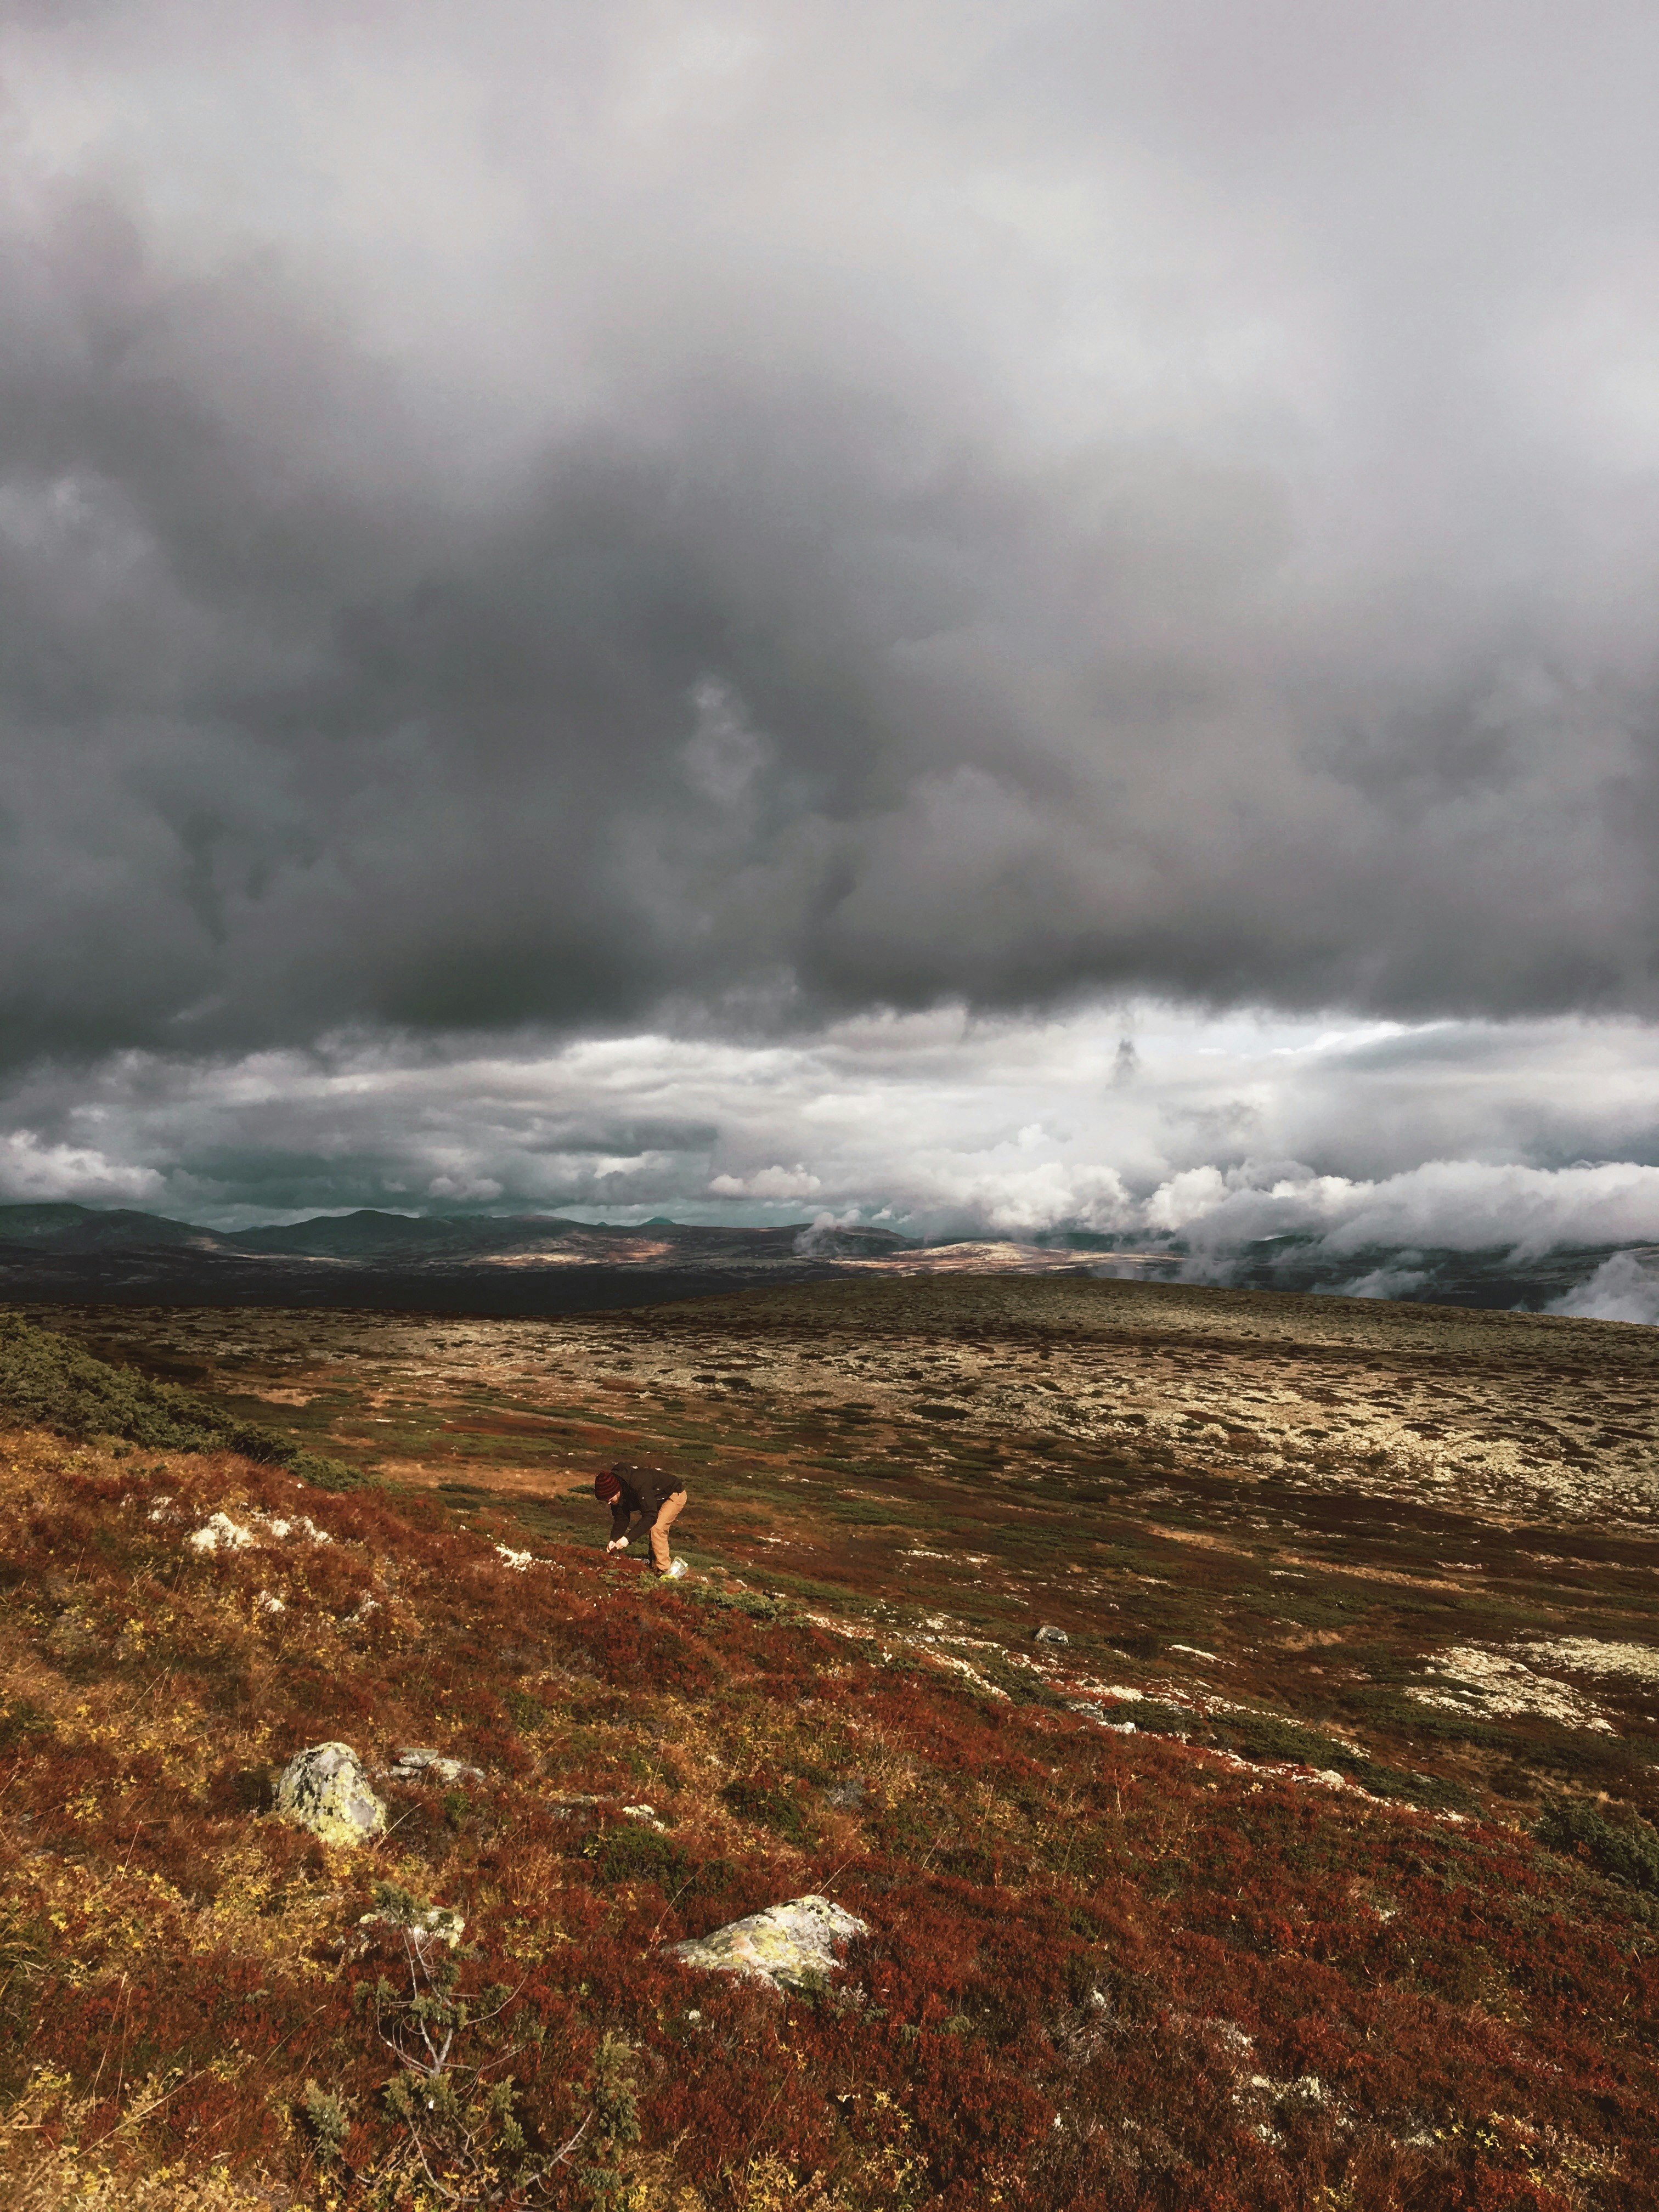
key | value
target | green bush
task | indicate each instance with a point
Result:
(771, 1801)
(1264, 1736)
(19, 1719)
(634, 1852)
(1383, 1706)
(1155, 1717)
(751, 1604)
(1269, 1737)
(527, 1713)
(50, 1383)
(1023, 1686)
(1628, 1854)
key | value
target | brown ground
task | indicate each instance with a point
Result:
(1428, 1533)
(1299, 1863)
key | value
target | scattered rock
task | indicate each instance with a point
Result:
(1491, 1686)
(846, 1796)
(307, 1528)
(565, 1806)
(792, 1946)
(1587, 1655)
(416, 1764)
(647, 1814)
(1051, 1636)
(221, 1533)
(324, 1788)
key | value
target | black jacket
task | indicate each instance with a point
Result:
(645, 1491)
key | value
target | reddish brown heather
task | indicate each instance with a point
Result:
(1105, 1971)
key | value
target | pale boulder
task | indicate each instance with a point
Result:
(792, 1946)
(325, 1790)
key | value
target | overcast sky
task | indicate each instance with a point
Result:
(705, 609)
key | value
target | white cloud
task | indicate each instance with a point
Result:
(1621, 1289)
(769, 1182)
(1383, 1283)
(32, 1171)
(1463, 1205)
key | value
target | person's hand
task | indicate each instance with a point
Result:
(617, 1544)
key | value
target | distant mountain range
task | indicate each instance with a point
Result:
(541, 1263)
(523, 1263)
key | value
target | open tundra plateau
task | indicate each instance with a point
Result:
(1209, 1735)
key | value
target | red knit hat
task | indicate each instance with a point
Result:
(606, 1486)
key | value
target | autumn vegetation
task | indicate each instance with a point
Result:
(1159, 1953)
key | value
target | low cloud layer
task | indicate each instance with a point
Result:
(603, 517)
(1539, 1138)
(1622, 1288)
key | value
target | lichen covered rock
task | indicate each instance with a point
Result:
(324, 1788)
(417, 1763)
(221, 1533)
(791, 1945)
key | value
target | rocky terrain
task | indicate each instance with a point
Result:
(1216, 1730)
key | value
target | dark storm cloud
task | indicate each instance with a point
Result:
(511, 522)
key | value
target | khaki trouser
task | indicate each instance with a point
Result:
(659, 1529)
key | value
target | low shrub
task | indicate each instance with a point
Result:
(635, 1852)
(1629, 1854)
(46, 1381)
(771, 1801)
(527, 1713)
(19, 1719)
(753, 1605)
(1023, 1685)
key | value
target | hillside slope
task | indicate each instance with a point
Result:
(1115, 1959)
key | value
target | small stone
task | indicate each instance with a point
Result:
(416, 1764)
(221, 1533)
(846, 1796)
(1051, 1636)
(324, 1788)
(792, 1946)
(569, 1804)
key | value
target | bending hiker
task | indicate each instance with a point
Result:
(655, 1496)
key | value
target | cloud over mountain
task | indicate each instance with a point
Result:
(1530, 1138)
